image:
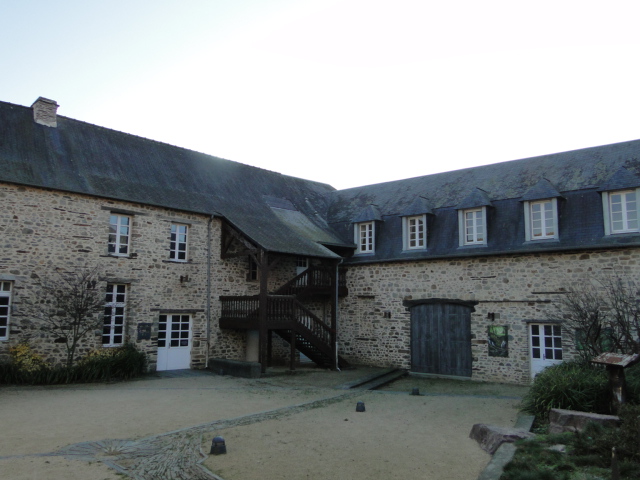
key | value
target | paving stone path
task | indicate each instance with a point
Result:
(174, 455)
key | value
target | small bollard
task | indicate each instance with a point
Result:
(360, 407)
(218, 446)
(415, 391)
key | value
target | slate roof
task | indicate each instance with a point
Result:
(574, 177)
(294, 216)
(540, 191)
(83, 158)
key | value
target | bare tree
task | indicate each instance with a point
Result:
(605, 314)
(69, 307)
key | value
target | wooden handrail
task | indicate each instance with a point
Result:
(279, 308)
(313, 277)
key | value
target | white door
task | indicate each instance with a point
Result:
(546, 346)
(174, 342)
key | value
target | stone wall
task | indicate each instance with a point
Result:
(374, 325)
(44, 231)
(47, 231)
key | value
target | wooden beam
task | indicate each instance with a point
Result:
(263, 302)
(292, 354)
(229, 234)
(335, 285)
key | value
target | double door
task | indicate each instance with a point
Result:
(174, 342)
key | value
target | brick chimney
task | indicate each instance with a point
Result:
(44, 112)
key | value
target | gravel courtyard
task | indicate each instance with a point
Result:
(284, 426)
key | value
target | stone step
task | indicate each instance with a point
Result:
(375, 380)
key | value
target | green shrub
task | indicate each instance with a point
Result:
(596, 440)
(123, 363)
(632, 374)
(574, 385)
(120, 363)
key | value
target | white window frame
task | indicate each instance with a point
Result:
(6, 288)
(115, 318)
(531, 234)
(178, 246)
(609, 215)
(464, 232)
(365, 237)
(414, 226)
(119, 235)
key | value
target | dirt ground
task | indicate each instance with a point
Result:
(398, 436)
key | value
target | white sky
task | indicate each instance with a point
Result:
(348, 92)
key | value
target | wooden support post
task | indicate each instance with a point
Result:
(335, 285)
(269, 348)
(263, 265)
(292, 360)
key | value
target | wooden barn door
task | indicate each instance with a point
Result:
(441, 339)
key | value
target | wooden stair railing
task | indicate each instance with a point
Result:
(286, 316)
(315, 279)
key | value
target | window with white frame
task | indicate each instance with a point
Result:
(178, 246)
(414, 232)
(541, 219)
(119, 234)
(364, 237)
(621, 211)
(5, 309)
(472, 224)
(114, 315)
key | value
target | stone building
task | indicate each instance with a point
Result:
(202, 258)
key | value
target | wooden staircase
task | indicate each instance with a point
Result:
(317, 352)
(288, 317)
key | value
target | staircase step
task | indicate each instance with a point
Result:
(376, 380)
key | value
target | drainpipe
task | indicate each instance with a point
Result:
(206, 361)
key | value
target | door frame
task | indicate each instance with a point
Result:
(180, 357)
(537, 365)
(442, 301)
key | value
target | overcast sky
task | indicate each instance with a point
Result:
(349, 92)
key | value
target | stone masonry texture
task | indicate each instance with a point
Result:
(375, 327)
(42, 231)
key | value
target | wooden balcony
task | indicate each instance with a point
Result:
(315, 281)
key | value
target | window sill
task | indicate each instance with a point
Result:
(475, 245)
(184, 262)
(541, 240)
(131, 256)
(623, 234)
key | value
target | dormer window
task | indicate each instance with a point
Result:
(414, 232)
(541, 211)
(365, 237)
(473, 226)
(472, 218)
(541, 219)
(621, 211)
(620, 194)
(364, 231)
